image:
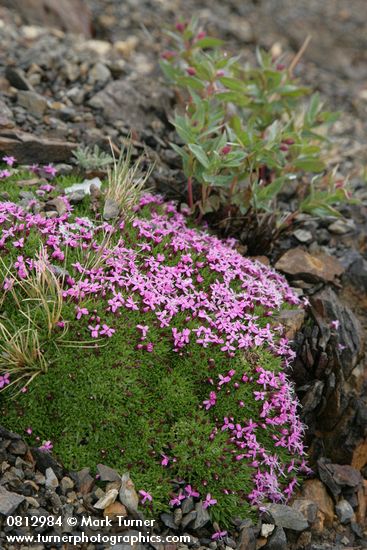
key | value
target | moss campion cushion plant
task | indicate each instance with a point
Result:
(168, 359)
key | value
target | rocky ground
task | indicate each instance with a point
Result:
(60, 90)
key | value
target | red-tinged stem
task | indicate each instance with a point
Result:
(189, 191)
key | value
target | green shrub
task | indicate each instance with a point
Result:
(247, 135)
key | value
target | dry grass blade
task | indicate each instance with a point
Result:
(126, 182)
(20, 353)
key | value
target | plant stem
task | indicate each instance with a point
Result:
(189, 191)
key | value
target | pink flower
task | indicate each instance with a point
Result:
(46, 446)
(144, 330)
(107, 331)
(29, 431)
(9, 160)
(94, 330)
(164, 461)
(209, 501)
(176, 501)
(191, 492)
(4, 380)
(80, 311)
(209, 403)
(191, 71)
(335, 324)
(149, 347)
(219, 535)
(4, 174)
(146, 497)
(50, 170)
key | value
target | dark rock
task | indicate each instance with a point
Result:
(338, 476)
(29, 149)
(9, 502)
(18, 447)
(6, 434)
(202, 516)
(313, 396)
(298, 263)
(344, 511)
(111, 210)
(6, 116)
(69, 15)
(287, 517)
(308, 509)
(17, 78)
(84, 481)
(247, 540)
(107, 474)
(45, 460)
(168, 520)
(188, 518)
(34, 103)
(277, 540)
(187, 505)
(139, 103)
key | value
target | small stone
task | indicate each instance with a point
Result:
(100, 47)
(76, 197)
(107, 499)
(303, 236)
(311, 268)
(267, 529)
(18, 79)
(9, 501)
(84, 481)
(32, 502)
(51, 480)
(99, 74)
(126, 47)
(292, 320)
(66, 484)
(308, 509)
(111, 210)
(247, 539)
(168, 521)
(314, 490)
(277, 541)
(33, 102)
(114, 510)
(84, 187)
(18, 447)
(284, 516)
(344, 511)
(107, 474)
(56, 204)
(202, 516)
(188, 519)
(341, 227)
(177, 516)
(187, 505)
(128, 496)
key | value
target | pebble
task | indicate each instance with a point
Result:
(303, 236)
(34, 103)
(341, 227)
(344, 511)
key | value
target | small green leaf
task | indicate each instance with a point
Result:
(208, 42)
(309, 164)
(199, 154)
(232, 83)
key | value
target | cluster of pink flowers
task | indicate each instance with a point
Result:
(47, 171)
(223, 315)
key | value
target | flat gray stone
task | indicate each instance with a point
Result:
(286, 517)
(9, 502)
